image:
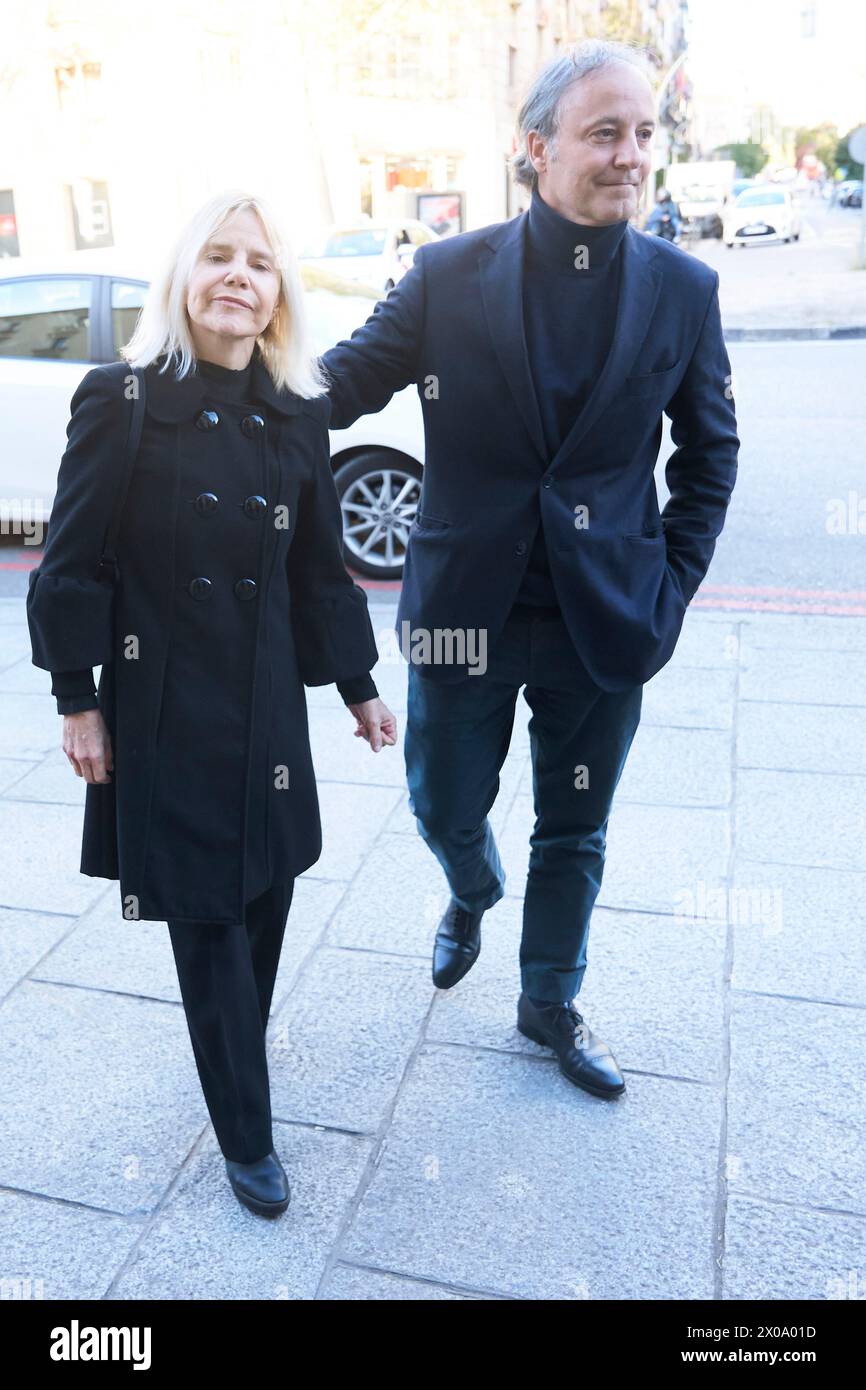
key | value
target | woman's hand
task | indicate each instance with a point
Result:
(87, 745)
(374, 722)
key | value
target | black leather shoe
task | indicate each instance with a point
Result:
(457, 945)
(262, 1186)
(583, 1058)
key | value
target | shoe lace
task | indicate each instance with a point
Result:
(576, 1019)
(460, 917)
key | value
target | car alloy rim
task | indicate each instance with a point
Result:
(378, 510)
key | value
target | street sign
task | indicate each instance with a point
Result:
(857, 145)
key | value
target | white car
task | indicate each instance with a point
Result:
(373, 253)
(61, 317)
(761, 213)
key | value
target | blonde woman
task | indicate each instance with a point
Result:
(231, 596)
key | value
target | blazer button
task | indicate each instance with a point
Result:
(548, 481)
(251, 424)
(255, 505)
(206, 502)
(245, 588)
(520, 548)
(207, 420)
(200, 587)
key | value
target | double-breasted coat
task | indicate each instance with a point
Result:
(231, 596)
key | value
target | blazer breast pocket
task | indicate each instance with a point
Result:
(652, 383)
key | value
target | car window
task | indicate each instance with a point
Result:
(126, 302)
(335, 307)
(46, 318)
(369, 242)
(755, 198)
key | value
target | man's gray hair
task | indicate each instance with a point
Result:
(541, 107)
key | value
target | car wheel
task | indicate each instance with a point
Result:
(796, 236)
(379, 492)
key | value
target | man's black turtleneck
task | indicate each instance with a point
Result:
(571, 275)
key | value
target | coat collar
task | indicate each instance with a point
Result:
(175, 401)
(501, 269)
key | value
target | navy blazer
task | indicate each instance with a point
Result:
(624, 573)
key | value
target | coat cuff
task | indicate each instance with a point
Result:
(74, 704)
(334, 638)
(73, 682)
(70, 621)
(359, 689)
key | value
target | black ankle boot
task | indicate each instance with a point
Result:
(262, 1186)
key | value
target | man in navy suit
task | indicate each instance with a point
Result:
(544, 350)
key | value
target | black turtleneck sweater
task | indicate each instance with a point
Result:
(75, 690)
(569, 313)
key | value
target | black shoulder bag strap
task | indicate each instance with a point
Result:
(108, 561)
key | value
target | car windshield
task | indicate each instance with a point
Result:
(756, 198)
(336, 306)
(368, 241)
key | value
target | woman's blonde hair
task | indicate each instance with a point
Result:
(163, 325)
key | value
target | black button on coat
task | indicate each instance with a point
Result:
(223, 611)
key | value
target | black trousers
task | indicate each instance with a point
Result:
(226, 976)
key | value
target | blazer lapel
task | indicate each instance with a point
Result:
(640, 282)
(501, 273)
(500, 267)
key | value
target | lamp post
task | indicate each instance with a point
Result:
(671, 72)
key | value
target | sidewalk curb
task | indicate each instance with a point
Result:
(757, 335)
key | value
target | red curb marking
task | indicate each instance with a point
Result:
(850, 610)
(784, 591)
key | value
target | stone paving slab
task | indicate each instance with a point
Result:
(351, 818)
(30, 726)
(33, 879)
(61, 1250)
(802, 738)
(201, 1246)
(833, 677)
(700, 697)
(340, 1044)
(774, 1251)
(498, 1174)
(51, 780)
(796, 1100)
(807, 818)
(799, 932)
(679, 767)
(26, 939)
(77, 1125)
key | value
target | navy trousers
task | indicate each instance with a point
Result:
(457, 738)
(226, 976)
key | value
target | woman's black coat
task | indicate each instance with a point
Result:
(224, 609)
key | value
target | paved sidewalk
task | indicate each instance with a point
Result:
(433, 1152)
